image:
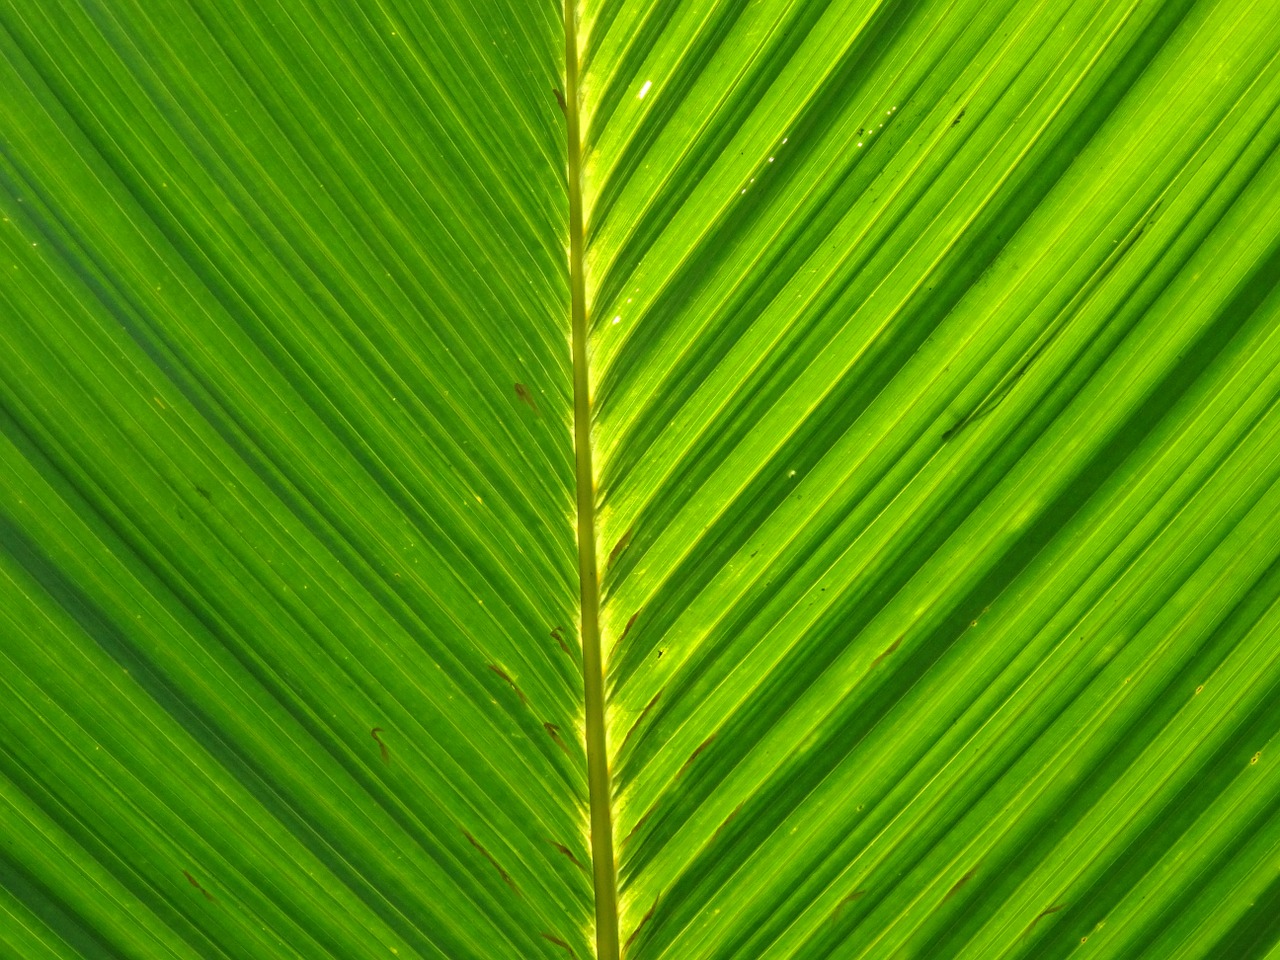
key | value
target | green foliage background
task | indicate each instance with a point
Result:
(934, 365)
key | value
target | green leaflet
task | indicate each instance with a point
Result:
(273, 485)
(931, 354)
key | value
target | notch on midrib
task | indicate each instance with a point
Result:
(598, 779)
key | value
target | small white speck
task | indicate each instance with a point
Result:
(617, 319)
(771, 159)
(784, 139)
(791, 473)
(744, 191)
(644, 89)
(859, 143)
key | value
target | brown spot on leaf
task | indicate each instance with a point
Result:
(960, 883)
(527, 398)
(619, 547)
(636, 828)
(382, 747)
(503, 674)
(1041, 915)
(568, 853)
(728, 819)
(555, 634)
(639, 926)
(640, 719)
(559, 943)
(694, 756)
(564, 107)
(552, 729)
(196, 883)
(845, 901)
(506, 877)
(625, 630)
(887, 651)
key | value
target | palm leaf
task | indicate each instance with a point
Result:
(923, 594)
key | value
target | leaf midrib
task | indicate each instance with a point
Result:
(600, 789)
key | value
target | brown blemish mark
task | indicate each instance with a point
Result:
(568, 853)
(960, 883)
(888, 650)
(506, 877)
(196, 883)
(630, 623)
(382, 747)
(503, 674)
(625, 630)
(555, 635)
(564, 107)
(552, 729)
(639, 926)
(556, 940)
(640, 719)
(728, 819)
(845, 901)
(636, 828)
(527, 398)
(694, 756)
(1041, 915)
(619, 547)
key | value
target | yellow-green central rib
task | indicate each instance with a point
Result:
(602, 866)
